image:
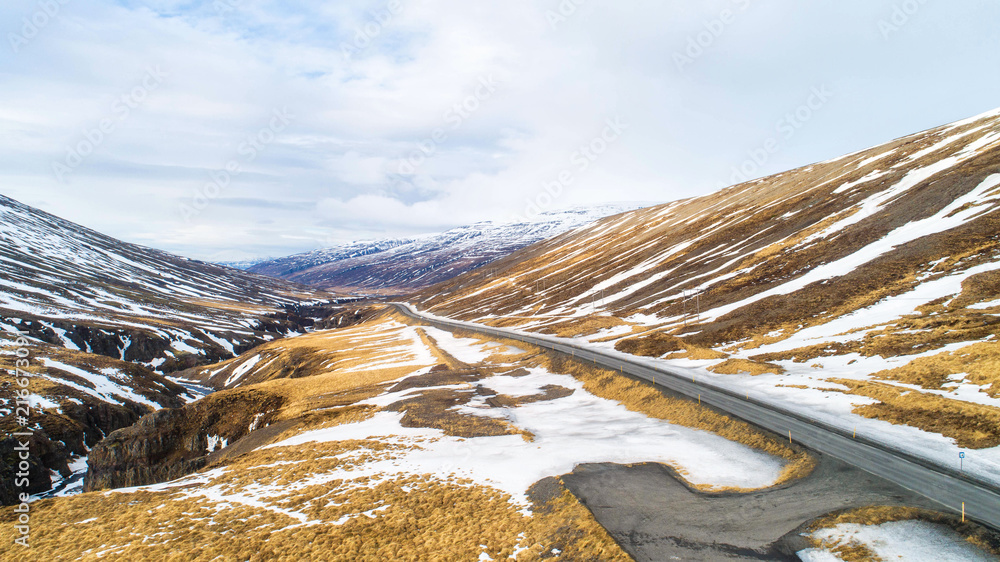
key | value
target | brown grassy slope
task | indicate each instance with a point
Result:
(311, 354)
(735, 244)
(749, 231)
(169, 444)
(430, 517)
(641, 397)
(421, 518)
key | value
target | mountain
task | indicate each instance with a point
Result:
(867, 285)
(407, 264)
(384, 438)
(243, 265)
(74, 287)
(91, 324)
(389, 440)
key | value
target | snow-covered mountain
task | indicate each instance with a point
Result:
(92, 323)
(407, 264)
(867, 284)
(75, 287)
(243, 265)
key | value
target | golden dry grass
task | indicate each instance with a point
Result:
(972, 426)
(435, 409)
(697, 353)
(746, 366)
(371, 346)
(660, 344)
(409, 518)
(643, 398)
(418, 517)
(233, 306)
(877, 515)
(979, 362)
(585, 326)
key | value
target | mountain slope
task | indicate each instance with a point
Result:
(71, 286)
(394, 433)
(86, 321)
(870, 281)
(408, 264)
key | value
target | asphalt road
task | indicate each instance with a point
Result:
(655, 516)
(946, 487)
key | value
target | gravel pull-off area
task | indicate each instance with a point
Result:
(656, 517)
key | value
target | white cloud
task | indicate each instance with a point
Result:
(331, 173)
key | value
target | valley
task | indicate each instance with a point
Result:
(814, 348)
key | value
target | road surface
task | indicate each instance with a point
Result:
(946, 487)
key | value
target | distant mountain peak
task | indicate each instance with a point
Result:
(400, 265)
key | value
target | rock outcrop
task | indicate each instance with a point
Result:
(168, 444)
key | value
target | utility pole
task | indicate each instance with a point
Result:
(685, 301)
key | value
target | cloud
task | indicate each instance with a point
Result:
(368, 212)
(413, 84)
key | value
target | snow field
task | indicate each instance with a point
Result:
(913, 541)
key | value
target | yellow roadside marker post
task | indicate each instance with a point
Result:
(963, 512)
(789, 436)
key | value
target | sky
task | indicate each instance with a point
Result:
(234, 129)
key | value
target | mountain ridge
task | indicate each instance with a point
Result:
(402, 265)
(92, 324)
(866, 285)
